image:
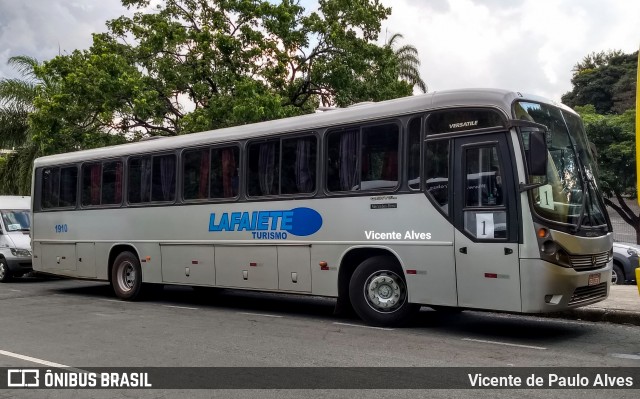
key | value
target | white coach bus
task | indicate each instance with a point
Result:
(484, 199)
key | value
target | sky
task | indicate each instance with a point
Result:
(524, 45)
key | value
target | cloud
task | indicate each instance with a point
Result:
(46, 28)
(525, 45)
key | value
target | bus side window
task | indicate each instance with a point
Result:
(298, 165)
(484, 181)
(413, 154)
(483, 188)
(224, 172)
(437, 172)
(264, 168)
(379, 157)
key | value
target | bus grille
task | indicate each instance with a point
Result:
(589, 262)
(587, 294)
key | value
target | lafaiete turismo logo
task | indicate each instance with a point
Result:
(268, 225)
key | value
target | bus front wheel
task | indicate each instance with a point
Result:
(126, 276)
(378, 292)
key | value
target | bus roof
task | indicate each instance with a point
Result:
(501, 99)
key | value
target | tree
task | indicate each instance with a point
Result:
(19, 100)
(193, 65)
(16, 102)
(604, 94)
(605, 80)
(614, 138)
(408, 62)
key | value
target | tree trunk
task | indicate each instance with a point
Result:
(625, 213)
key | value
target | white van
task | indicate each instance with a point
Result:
(15, 242)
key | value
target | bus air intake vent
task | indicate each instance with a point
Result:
(589, 262)
(588, 294)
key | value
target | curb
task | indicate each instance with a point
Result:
(615, 316)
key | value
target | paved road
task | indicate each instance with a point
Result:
(81, 324)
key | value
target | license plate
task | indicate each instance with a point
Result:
(594, 279)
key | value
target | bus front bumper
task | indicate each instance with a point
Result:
(547, 287)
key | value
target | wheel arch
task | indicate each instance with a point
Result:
(350, 260)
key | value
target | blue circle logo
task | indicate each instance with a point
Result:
(305, 222)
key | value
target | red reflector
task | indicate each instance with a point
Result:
(253, 264)
(194, 262)
(491, 275)
(411, 271)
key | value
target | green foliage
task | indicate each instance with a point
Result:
(614, 139)
(16, 102)
(604, 80)
(191, 65)
(408, 62)
(16, 169)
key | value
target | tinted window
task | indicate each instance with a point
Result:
(379, 157)
(101, 183)
(163, 182)
(342, 172)
(224, 172)
(263, 177)
(371, 165)
(195, 174)
(91, 181)
(299, 165)
(59, 187)
(139, 180)
(111, 183)
(484, 178)
(437, 172)
(413, 154)
(68, 185)
(50, 187)
(152, 178)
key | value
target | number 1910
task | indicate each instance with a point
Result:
(61, 228)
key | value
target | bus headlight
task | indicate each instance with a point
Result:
(553, 253)
(20, 252)
(562, 258)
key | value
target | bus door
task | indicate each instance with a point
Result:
(486, 222)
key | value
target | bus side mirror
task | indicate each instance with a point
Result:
(537, 155)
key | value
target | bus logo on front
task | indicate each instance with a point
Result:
(268, 224)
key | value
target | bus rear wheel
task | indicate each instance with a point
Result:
(126, 276)
(378, 292)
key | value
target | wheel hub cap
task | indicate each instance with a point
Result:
(127, 277)
(385, 291)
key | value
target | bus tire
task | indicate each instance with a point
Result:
(378, 292)
(5, 273)
(126, 276)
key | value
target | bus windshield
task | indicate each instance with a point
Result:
(571, 186)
